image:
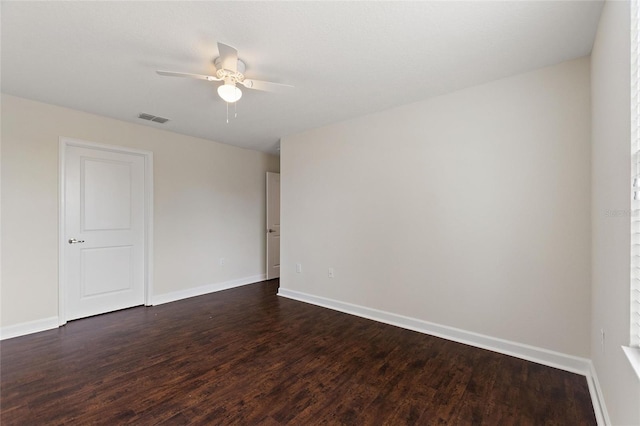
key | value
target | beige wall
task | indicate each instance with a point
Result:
(611, 161)
(208, 203)
(469, 210)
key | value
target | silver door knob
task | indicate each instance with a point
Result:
(74, 241)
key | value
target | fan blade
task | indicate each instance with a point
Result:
(186, 74)
(266, 86)
(228, 57)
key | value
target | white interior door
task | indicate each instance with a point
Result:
(104, 266)
(273, 225)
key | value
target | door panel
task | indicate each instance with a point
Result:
(102, 212)
(104, 225)
(273, 225)
(106, 270)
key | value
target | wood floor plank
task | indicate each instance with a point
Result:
(245, 356)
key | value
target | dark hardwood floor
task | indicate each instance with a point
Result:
(245, 356)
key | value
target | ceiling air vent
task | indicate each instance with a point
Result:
(149, 117)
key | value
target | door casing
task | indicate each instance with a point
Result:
(148, 216)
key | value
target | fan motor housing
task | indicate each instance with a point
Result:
(241, 65)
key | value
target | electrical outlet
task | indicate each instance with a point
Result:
(222, 261)
(299, 268)
(330, 272)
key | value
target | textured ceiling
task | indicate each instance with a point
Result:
(345, 58)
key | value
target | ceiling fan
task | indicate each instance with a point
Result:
(230, 69)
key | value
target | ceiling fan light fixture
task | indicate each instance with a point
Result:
(229, 93)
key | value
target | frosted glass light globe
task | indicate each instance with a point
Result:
(229, 93)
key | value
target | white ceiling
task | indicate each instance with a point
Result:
(345, 58)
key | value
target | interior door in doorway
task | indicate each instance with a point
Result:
(104, 266)
(273, 225)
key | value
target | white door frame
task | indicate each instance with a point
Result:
(148, 216)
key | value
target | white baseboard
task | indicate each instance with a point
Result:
(573, 364)
(205, 289)
(542, 356)
(29, 327)
(597, 400)
(36, 326)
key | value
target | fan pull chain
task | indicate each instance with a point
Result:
(235, 111)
